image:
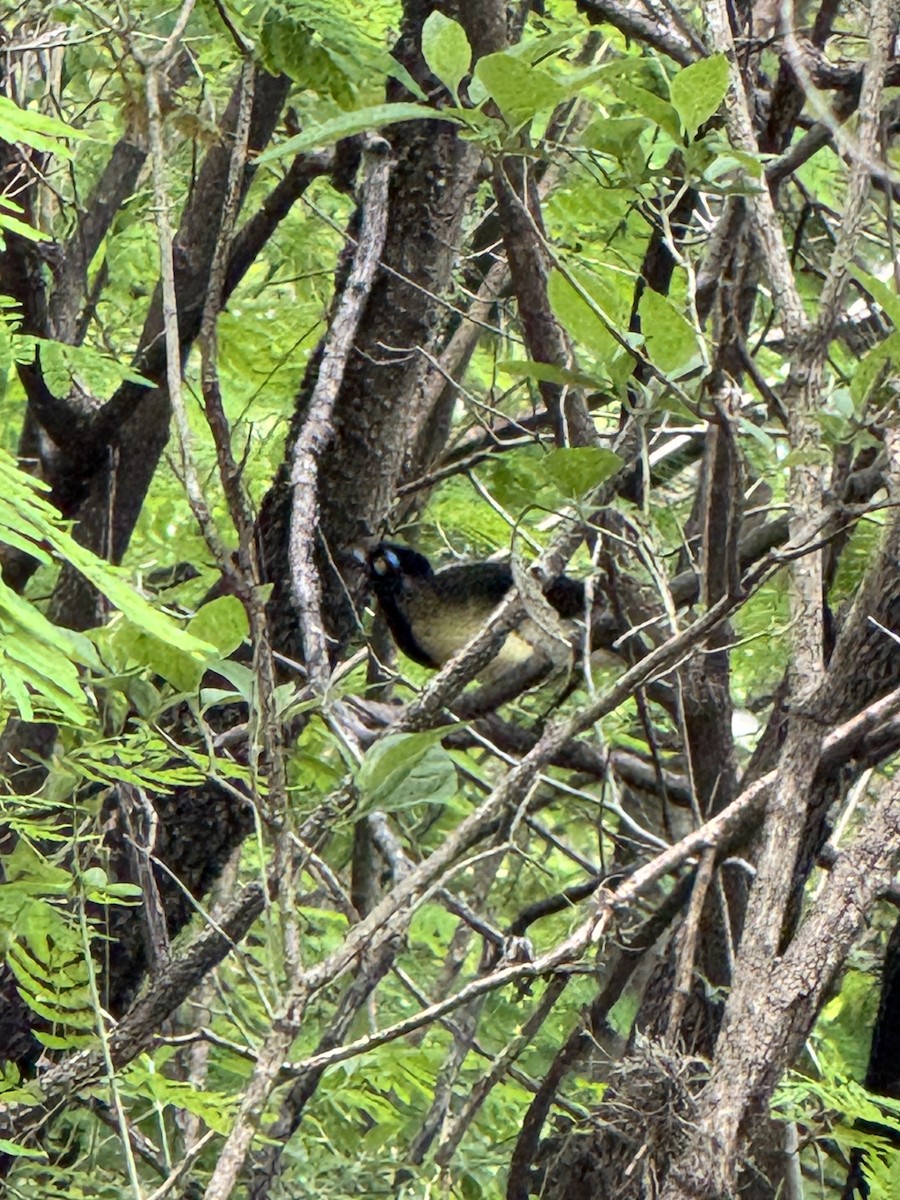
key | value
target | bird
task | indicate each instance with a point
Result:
(432, 614)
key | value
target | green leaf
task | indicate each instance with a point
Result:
(671, 342)
(697, 91)
(223, 623)
(873, 364)
(520, 90)
(37, 659)
(24, 863)
(881, 292)
(13, 682)
(132, 605)
(377, 116)
(55, 698)
(142, 696)
(577, 470)
(842, 403)
(616, 136)
(6, 358)
(139, 648)
(640, 101)
(588, 305)
(760, 435)
(527, 368)
(722, 159)
(36, 129)
(31, 517)
(41, 660)
(239, 675)
(515, 479)
(90, 370)
(25, 617)
(15, 1150)
(328, 54)
(404, 769)
(446, 49)
(23, 229)
(538, 49)
(214, 1108)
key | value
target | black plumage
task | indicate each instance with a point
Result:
(433, 614)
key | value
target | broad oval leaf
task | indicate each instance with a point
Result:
(519, 90)
(590, 307)
(405, 769)
(222, 622)
(446, 49)
(671, 342)
(698, 90)
(577, 470)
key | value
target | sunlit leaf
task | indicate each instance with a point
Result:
(378, 116)
(446, 49)
(698, 90)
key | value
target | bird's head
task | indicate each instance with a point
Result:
(390, 566)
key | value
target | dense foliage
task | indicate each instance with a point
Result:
(596, 289)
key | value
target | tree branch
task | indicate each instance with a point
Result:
(317, 430)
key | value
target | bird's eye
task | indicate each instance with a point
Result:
(386, 562)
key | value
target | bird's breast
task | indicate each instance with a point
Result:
(443, 630)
